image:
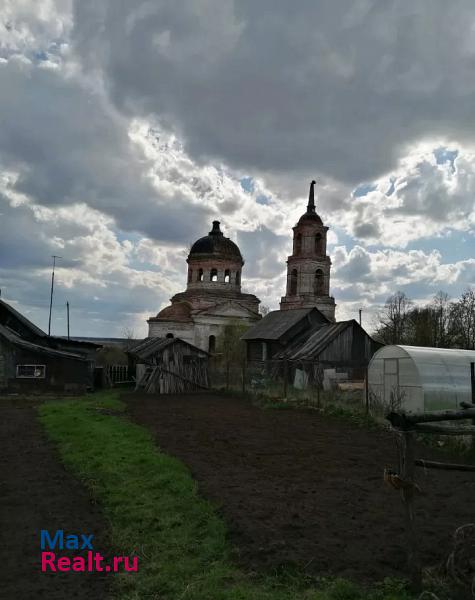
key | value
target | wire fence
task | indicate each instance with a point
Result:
(312, 383)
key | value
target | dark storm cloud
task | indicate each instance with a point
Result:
(68, 146)
(338, 87)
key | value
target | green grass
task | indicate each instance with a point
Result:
(155, 511)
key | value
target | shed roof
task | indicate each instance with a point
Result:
(16, 340)
(152, 345)
(312, 345)
(276, 323)
(22, 319)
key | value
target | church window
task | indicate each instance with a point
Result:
(190, 275)
(293, 282)
(211, 344)
(318, 244)
(238, 278)
(319, 283)
(227, 276)
(298, 243)
(200, 275)
(213, 275)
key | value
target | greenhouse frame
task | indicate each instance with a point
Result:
(418, 379)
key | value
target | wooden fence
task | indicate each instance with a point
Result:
(117, 373)
(407, 426)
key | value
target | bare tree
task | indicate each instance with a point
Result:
(264, 310)
(441, 307)
(462, 321)
(393, 321)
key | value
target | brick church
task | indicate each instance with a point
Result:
(308, 269)
(213, 296)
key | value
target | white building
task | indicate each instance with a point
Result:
(213, 296)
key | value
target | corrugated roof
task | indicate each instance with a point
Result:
(16, 340)
(145, 348)
(26, 322)
(276, 323)
(316, 342)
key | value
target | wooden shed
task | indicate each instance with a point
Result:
(278, 329)
(169, 366)
(31, 361)
(335, 348)
(27, 367)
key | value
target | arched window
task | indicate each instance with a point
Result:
(298, 243)
(170, 335)
(318, 284)
(318, 244)
(199, 277)
(238, 278)
(211, 344)
(213, 276)
(227, 276)
(190, 275)
(293, 282)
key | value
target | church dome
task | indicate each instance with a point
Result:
(215, 245)
(178, 311)
(310, 217)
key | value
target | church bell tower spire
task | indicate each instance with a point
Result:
(311, 198)
(308, 268)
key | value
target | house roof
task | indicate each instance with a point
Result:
(312, 345)
(152, 345)
(16, 340)
(23, 320)
(276, 323)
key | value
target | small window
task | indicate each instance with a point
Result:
(227, 276)
(318, 244)
(213, 276)
(199, 277)
(293, 282)
(211, 344)
(319, 283)
(187, 359)
(170, 335)
(298, 243)
(31, 371)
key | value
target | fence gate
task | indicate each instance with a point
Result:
(117, 373)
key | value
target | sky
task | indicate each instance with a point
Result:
(126, 128)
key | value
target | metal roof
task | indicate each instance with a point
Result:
(16, 340)
(152, 345)
(26, 322)
(312, 345)
(276, 323)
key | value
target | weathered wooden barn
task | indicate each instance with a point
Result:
(33, 362)
(278, 329)
(169, 366)
(308, 348)
(26, 367)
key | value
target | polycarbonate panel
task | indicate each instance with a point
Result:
(427, 378)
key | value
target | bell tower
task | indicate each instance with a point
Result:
(308, 268)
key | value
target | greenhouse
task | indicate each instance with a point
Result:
(416, 379)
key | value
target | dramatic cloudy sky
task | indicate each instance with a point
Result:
(126, 127)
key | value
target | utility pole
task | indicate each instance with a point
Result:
(360, 311)
(51, 295)
(67, 310)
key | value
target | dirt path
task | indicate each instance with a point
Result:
(37, 493)
(295, 487)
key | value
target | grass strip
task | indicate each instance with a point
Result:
(156, 512)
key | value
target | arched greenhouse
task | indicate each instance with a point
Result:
(417, 379)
